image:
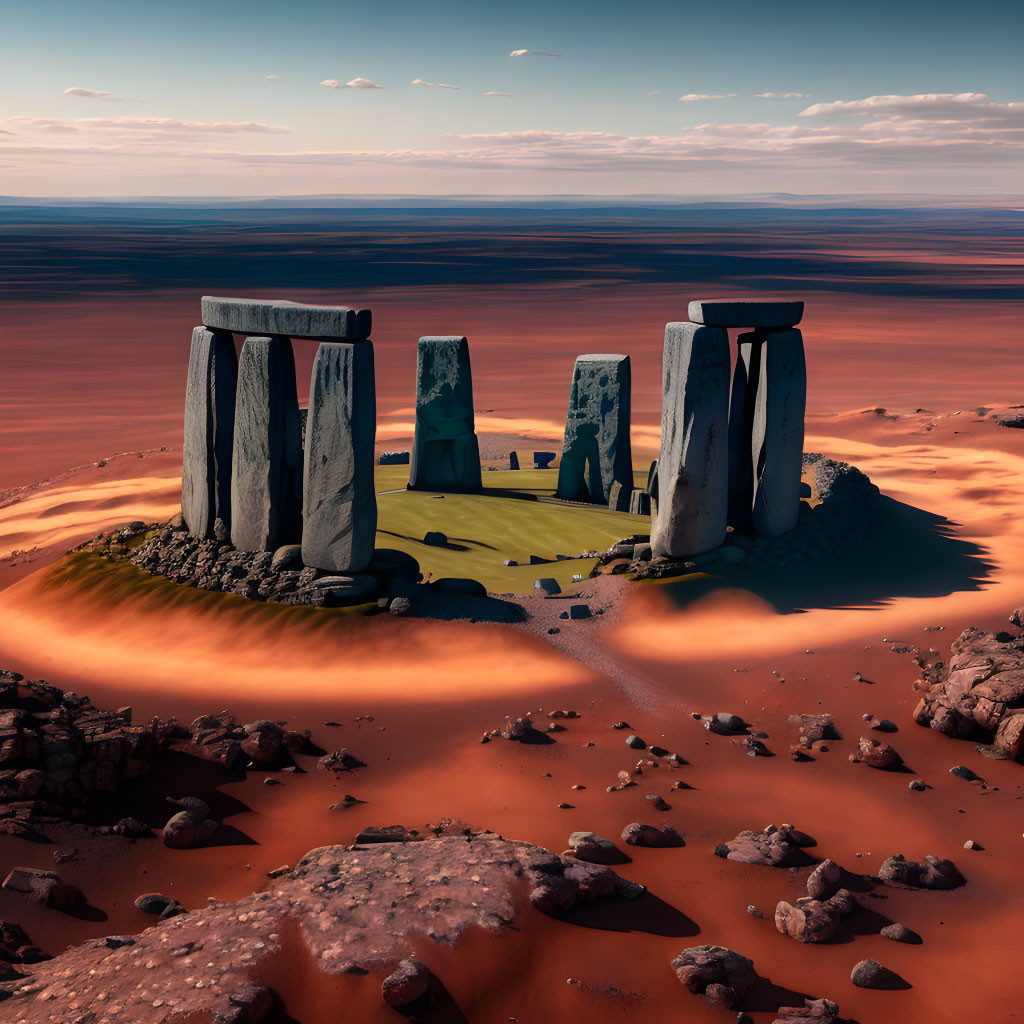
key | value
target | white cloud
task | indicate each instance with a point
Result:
(352, 83)
(699, 97)
(271, 76)
(495, 92)
(780, 95)
(91, 94)
(433, 85)
(533, 53)
(136, 130)
(654, 92)
(941, 106)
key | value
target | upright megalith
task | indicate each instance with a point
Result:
(777, 432)
(692, 464)
(445, 453)
(596, 450)
(266, 495)
(339, 515)
(209, 431)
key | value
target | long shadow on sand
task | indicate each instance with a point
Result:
(913, 553)
(647, 913)
(174, 774)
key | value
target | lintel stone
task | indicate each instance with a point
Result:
(745, 313)
(286, 319)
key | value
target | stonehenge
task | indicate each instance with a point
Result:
(261, 473)
(596, 452)
(445, 452)
(729, 459)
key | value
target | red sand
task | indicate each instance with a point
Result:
(426, 762)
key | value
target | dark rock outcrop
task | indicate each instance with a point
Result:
(931, 873)
(777, 847)
(728, 976)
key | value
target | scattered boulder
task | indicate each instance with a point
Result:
(153, 903)
(636, 834)
(775, 846)
(191, 826)
(339, 761)
(871, 974)
(876, 754)
(823, 881)
(725, 724)
(932, 873)
(897, 932)
(700, 967)
(435, 539)
(979, 694)
(814, 729)
(595, 849)
(546, 585)
(820, 1011)
(813, 920)
(407, 983)
(45, 888)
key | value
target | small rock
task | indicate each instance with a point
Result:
(636, 743)
(897, 932)
(823, 881)
(406, 983)
(636, 834)
(871, 974)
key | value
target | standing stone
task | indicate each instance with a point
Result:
(513, 460)
(339, 515)
(640, 503)
(619, 497)
(743, 400)
(777, 438)
(209, 431)
(596, 451)
(266, 496)
(692, 465)
(445, 453)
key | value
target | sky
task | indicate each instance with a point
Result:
(228, 98)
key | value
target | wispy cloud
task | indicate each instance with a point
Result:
(533, 53)
(135, 130)
(934, 106)
(495, 92)
(352, 83)
(781, 95)
(433, 85)
(271, 76)
(654, 92)
(700, 97)
(91, 94)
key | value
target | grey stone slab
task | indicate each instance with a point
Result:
(745, 313)
(596, 450)
(209, 431)
(288, 319)
(339, 516)
(445, 452)
(640, 503)
(690, 513)
(777, 437)
(266, 495)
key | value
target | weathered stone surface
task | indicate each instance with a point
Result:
(702, 966)
(288, 319)
(773, 847)
(406, 983)
(823, 881)
(266, 497)
(931, 873)
(445, 453)
(777, 439)
(820, 1011)
(340, 908)
(980, 694)
(339, 513)
(693, 463)
(209, 431)
(876, 754)
(745, 313)
(810, 919)
(872, 974)
(639, 503)
(637, 834)
(596, 450)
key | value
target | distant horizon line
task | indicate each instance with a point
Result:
(971, 200)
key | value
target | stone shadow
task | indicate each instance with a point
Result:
(647, 913)
(909, 553)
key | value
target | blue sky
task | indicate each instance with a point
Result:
(118, 98)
